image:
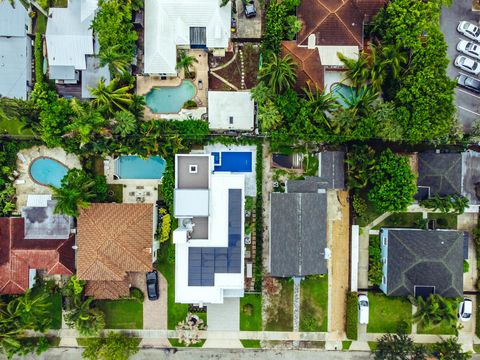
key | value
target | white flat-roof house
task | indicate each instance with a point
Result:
(209, 251)
(169, 24)
(230, 110)
(69, 40)
(15, 50)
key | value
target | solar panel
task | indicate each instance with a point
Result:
(204, 262)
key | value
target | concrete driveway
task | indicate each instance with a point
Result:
(468, 103)
(248, 28)
(154, 312)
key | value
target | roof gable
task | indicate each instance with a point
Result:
(441, 172)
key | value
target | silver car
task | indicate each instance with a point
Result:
(467, 64)
(363, 309)
(469, 48)
(469, 30)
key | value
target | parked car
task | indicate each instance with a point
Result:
(249, 7)
(469, 48)
(152, 285)
(363, 311)
(465, 310)
(468, 83)
(467, 64)
(469, 30)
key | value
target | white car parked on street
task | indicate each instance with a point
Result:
(467, 64)
(465, 310)
(363, 311)
(469, 30)
(469, 48)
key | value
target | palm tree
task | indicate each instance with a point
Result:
(357, 70)
(268, 116)
(320, 102)
(278, 73)
(33, 310)
(360, 101)
(397, 59)
(111, 97)
(86, 320)
(184, 63)
(116, 61)
(434, 310)
(86, 122)
(124, 123)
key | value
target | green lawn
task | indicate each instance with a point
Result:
(251, 344)
(176, 312)
(346, 344)
(280, 311)
(370, 214)
(387, 313)
(122, 314)
(441, 329)
(476, 348)
(401, 220)
(251, 312)
(314, 304)
(444, 221)
(14, 127)
(176, 343)
(41, 23)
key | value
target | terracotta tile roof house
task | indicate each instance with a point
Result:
(310, 69)
(114, 240)
(19, 255)
(335, 22)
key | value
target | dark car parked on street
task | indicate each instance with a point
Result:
(152, 285)
(249, 7)
(468, 82)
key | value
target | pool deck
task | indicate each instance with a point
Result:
(134, 190)
(250, 177)
(146, 83)
(24, 184)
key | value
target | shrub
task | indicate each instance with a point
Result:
(168, 184)
(38, 52)
(190, 104)
(259, 219)
(374, 260)
(466, 266)
(248, 309)
(359, 205)
(352, 315)
(309, 323)
(171, 254)
(166, 227)
(450, 203)
(137, 294)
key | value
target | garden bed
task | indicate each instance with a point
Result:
(280, 309)
(177, 343)
(314, 304)
(388, 313)
(444, 221)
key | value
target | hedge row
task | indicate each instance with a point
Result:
(168, 184)
(38, 53)
(352, 315)
(259, 219)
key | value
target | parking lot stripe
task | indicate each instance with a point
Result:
(468, 93)
(470, 111)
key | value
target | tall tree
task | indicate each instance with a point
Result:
(450, 349)
(398, 347)
(87, 320)
(279, 73)
(435, 310)
(115, 346)
(357, 70)
(117, 62)
(185, 62)
(124, 123)
(112, 97)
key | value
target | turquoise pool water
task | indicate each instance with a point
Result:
(46, 171)
(134, 167)
(169, 99)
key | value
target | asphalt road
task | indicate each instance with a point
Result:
(468, 104)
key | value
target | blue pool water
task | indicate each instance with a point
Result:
(46, 171)
(170, 99)
(134, 167)
(233, 161)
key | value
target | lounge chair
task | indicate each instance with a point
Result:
(22, 158)
(19, 181)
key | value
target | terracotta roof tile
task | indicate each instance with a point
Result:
(114, 239)
(310, 68)
(335, 22)
(18, 255)
(108, 289)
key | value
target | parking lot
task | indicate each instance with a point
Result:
(467, 102)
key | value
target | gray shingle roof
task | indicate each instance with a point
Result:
(423, 257)
(298, 234)
(332, 170)
(442, 173)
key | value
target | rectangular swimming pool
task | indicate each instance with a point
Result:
(134, 167)
(233, 161)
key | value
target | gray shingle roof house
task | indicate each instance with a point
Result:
(418, 262)
(15, 50)
(439, 173)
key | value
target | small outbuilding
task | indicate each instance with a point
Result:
(230, 110)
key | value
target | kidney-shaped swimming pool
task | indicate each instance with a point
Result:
(46, 171)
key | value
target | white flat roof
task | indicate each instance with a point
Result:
(220, 185)
(230, 110)
(14, 65)
(191, 202)
(35, 200)
(168, 23)
(329, 57)
(13, 19)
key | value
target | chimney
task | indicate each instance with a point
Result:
(312, 39)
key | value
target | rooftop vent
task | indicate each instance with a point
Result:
(193, 169)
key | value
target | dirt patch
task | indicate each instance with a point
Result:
(279, 308)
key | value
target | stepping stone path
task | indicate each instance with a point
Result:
(242, 69)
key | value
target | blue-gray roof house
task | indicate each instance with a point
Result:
(15, 50)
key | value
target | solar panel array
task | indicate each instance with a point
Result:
(204, 262)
